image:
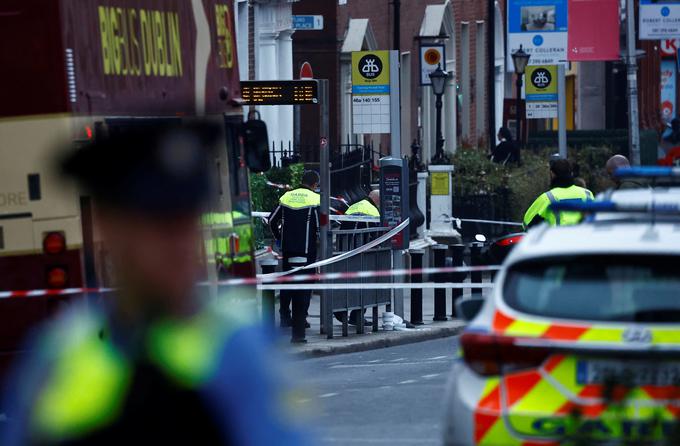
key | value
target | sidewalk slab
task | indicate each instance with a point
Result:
(319, 345)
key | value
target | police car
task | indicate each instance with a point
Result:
(579, 342)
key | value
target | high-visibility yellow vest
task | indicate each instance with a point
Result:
(541, 207)
(300, 198)
(363, 207)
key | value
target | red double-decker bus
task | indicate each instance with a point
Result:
(72, 69)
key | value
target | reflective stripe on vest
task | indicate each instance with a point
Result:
(571, 197)
(553, 200)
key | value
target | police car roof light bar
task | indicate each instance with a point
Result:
(613, 207)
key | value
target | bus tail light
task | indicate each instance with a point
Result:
(54, 243)
(491, 355)
(57, 277)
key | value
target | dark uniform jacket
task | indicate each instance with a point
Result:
(295, 222)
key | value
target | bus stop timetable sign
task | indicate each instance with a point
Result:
(297, 92)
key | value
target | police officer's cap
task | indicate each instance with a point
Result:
(155, 169)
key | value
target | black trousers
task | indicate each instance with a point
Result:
(300, 299)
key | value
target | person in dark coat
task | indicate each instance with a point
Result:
(506, 151)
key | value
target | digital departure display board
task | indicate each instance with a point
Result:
(297, 92)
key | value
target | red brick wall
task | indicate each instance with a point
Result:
(322, 48)
(472, 11)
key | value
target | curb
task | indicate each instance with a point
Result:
(311, 351)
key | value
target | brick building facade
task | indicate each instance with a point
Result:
(461, 24)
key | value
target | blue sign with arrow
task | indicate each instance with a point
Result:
(308, 22)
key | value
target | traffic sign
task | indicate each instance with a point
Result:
(308, 22)
(371, 92)
(306, 71)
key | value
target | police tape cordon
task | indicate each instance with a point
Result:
(266, 282)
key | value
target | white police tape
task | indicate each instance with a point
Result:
(292, 282)
(268, 278)
(374, 286)
(349, 218)
(490, 222)
(346, 255)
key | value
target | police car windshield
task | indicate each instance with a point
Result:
(597, 287)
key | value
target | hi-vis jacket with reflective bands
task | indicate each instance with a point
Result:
(177, 381)
(296, 221)
(540, 210)
(364, 207)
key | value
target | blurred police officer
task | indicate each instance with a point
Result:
(562, 188)
(155, 363)
(295, 223)
(368, 207)
(615, 163)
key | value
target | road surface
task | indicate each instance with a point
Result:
(387, 396)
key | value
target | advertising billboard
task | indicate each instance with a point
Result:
(541, 27)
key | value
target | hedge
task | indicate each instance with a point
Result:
(491, 190)
(265, 198)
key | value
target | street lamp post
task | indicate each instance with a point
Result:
(520, 59)
(438, 80)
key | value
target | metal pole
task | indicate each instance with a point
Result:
(268, 296)
(396, 45)
(475, 260)
(439, 152)
(518, 111)
(417, 294)
(457, 253)
(440, 293)
(324, 220)
(633, 113)
(395, 152)
(395, 108)
(491, 58)
(562, 110)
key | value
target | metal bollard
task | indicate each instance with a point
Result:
(457, 253)
(439, 293)
(417, 293)
(268, 296)
(299, 303)
(475, 260)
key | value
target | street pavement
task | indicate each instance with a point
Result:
(386, 396)
(319, 345)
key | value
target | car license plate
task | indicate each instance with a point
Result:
(628, 373)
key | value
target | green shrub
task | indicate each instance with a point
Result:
(512, 189)
(265, 198)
